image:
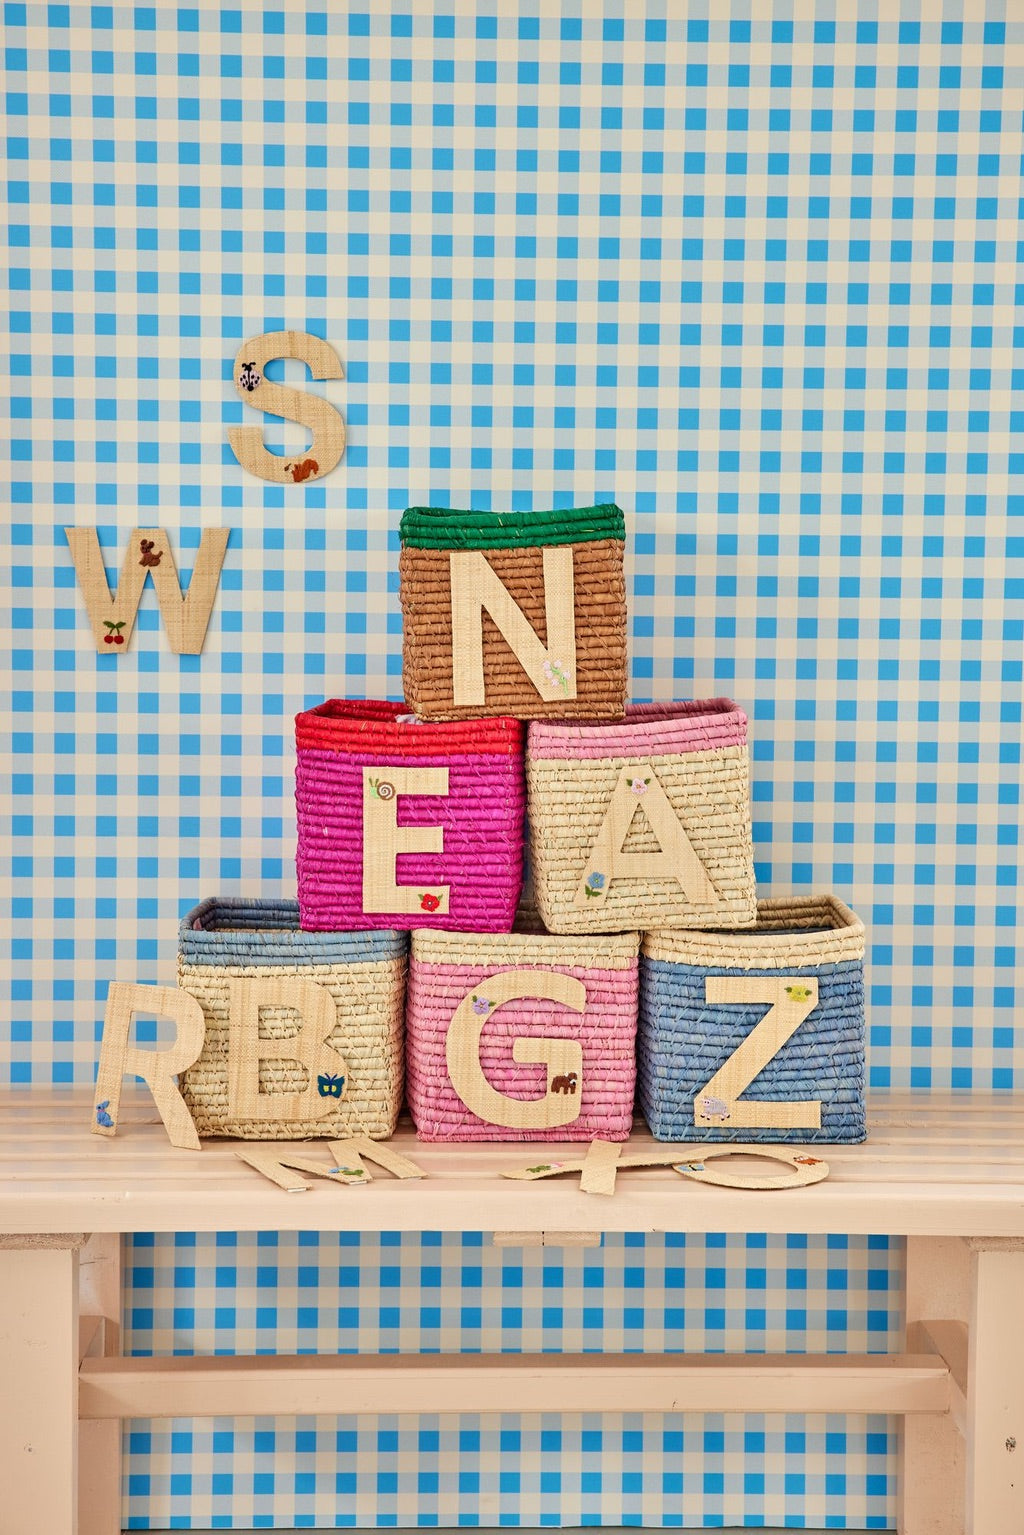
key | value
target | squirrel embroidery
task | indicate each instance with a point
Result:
(303, 470)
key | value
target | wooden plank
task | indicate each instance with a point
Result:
(99, 1445)
(995, 1395)
(186, 1386)
(952, 1169)
(931, 1473)
(39, 1399)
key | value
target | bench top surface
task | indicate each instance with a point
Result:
(932, 1165)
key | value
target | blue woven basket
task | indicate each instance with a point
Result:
(233, 930)
(226, 939)
(684, 1040)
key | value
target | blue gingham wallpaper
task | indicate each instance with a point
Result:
(748, 269)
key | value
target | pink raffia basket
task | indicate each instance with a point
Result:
(521, 1036)
(404, 823)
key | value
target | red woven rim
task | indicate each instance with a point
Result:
(367, 724)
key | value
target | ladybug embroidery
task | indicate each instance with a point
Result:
(250, 377)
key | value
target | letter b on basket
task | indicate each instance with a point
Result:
(316, 1015)
(561, 1101)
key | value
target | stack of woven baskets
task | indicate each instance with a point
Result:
(516, 749)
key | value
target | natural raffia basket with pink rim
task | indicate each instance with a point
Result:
(645, 823)
(407, 823)
(520, 613)
(521, 1036)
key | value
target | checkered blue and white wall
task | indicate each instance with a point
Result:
(747, 269)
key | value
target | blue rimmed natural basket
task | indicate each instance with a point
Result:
(364, 973)
(801, 946)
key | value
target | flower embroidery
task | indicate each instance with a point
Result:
(481, 1005)
(558, 675)
(798, 993)
(429, 902)
(639, 785)
(594, 885)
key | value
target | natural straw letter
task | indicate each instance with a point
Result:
(792, 998)
(563, 1089)
(475, 587)
(186, 615)
(384, 839)
(309, 410)
(317, 1020)
(638, 788)
(157, 1068)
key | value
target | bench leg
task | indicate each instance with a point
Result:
(99, 1440)
(931, 1473)
(995, 1392)
(39, 1399)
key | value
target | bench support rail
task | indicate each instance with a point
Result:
(307, 1383)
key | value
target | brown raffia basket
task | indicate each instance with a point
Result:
(566, 565)
(225, 940)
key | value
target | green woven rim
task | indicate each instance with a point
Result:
(439, 527)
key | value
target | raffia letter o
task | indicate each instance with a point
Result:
(560, 1056)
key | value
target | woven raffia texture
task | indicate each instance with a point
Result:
(481, 816)
(514, 545)
(699, 751)
(683, 1040)
(365, 973)
(445, 966)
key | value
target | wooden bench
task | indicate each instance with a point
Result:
(945, 1173)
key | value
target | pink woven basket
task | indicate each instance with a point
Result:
(403, 823)
(521, 1036)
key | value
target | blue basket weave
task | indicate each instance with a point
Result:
(683, 1040)
(227, 938)
(233, 930)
